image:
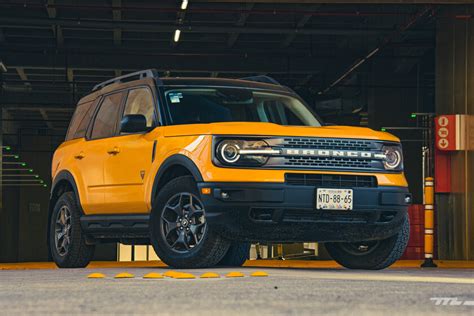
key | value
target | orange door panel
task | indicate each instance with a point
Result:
(126, 171)
(89, 157)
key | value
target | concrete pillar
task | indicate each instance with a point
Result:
(1, 144)
(455, 95)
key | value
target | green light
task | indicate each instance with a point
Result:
(45, 185)
(413, 115)
(30, 170)
(383, 129)
(41, 181)
(8, 148)
(37, 176)
(23, 164)
(16, 156)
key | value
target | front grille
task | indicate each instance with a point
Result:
(331, 180)
(328, 143)
(296, 159)
(328, 162)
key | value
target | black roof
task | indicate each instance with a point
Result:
(222, 82)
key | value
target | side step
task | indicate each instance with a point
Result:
(116, 226)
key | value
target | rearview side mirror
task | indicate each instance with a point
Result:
(133, 123)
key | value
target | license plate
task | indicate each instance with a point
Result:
(334, 199)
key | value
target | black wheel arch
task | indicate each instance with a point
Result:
(175, 165)
(63, 182)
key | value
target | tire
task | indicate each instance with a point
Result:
(237, 254)
(374, 255)
(67, 243)
(178, 229)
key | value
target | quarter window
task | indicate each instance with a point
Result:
(80, 120)
(140, 101)
(106, 119)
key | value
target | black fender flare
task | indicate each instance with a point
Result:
(67, 176)
(175, 160)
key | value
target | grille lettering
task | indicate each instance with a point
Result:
(331, 153)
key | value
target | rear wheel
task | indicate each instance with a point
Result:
(237, 254)
(179, 232)
(371, 255)
(67, 242)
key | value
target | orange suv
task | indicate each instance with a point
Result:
(201, 167)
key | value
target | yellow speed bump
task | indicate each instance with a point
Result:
(259, 274)
(235, 275)
(96, 275)
(209, 275)
(153, 275)
(124, 275)
(183, 275)
(170, 274)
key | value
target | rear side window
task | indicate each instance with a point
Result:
(80, 120)
(106, 119)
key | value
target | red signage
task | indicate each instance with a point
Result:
(445, 132)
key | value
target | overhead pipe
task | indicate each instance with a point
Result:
(384, 43)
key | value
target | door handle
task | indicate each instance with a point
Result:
(80, 155)
(113, 151)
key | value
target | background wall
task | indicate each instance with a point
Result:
(24, 216)
(455, 95)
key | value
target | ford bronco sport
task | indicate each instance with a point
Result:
(202, 167)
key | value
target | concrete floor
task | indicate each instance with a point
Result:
(285, 291)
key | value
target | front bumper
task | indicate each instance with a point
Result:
(279, 212)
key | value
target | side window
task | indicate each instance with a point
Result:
(140, 101)
(80, 120)
(107, 116)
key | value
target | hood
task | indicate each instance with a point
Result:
(270, 129)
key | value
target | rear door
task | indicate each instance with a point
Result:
(92, 153)
(127, 169)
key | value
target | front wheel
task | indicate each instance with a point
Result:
(178, 229)
(371, 255)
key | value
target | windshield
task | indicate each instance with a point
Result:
(226, 104)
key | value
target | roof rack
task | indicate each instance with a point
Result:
(262, 78)
(148, 73)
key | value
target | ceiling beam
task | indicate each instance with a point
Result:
(51, 9)
(300, 24)
(151, 27)
(176, 63)
(57, 29)
(349, 1)
(70, 78)
(117, 16)
(37, 99)
(45, 117)
(21, 73)
(240, 22)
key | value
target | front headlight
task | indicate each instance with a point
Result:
(393, 157)
(239, 152)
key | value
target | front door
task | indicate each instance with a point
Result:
(127, 167)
